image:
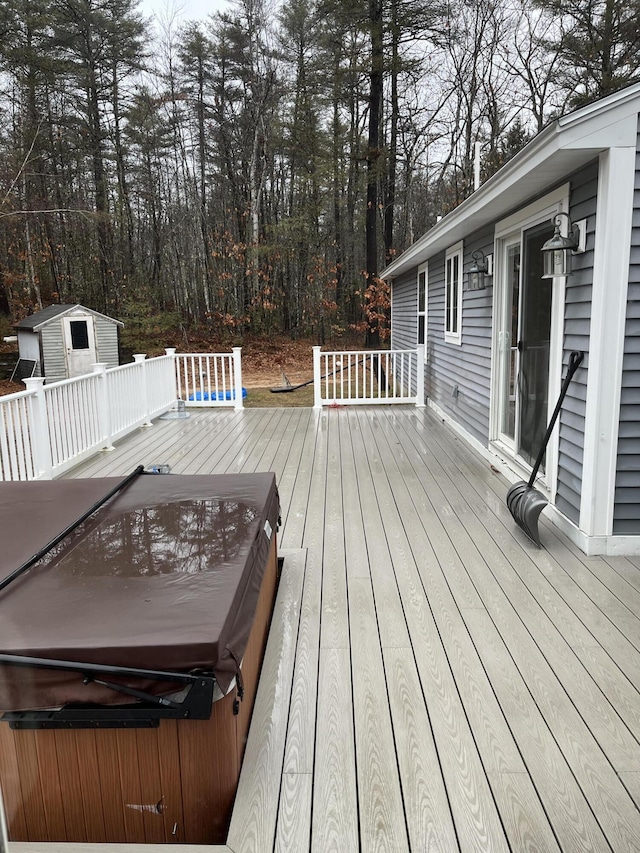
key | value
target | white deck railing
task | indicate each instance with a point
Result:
(368, 377)
(48, 429)
(210, 379)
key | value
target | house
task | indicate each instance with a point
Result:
(63, 341)
(495, 357)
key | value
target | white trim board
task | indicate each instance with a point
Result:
(611, 258)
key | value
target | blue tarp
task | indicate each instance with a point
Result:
(217, 395)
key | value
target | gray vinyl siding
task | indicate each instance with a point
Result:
(465, 369)
(53, 352)
(404, 315)
(577, 321)
(106, 342)
(626, 511)
(404, 311)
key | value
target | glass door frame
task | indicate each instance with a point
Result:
(507, 232)
(504, 338)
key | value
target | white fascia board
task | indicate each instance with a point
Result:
(604, 131)
(607, 111)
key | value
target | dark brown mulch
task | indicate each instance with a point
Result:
(8, 387)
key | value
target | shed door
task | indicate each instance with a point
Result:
(79, 338)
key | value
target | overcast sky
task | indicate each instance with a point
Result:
(188, 9)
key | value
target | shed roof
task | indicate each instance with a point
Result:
(34, 322)
(556, 152)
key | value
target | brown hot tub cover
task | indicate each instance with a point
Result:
(165, 576)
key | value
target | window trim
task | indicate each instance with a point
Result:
(422, 269)
(453, 330)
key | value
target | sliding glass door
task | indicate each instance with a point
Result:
(525, 333)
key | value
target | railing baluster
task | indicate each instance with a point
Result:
(11, 432)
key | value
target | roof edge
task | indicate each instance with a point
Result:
(535, 153)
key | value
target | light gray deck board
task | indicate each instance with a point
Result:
(253, 822)
(334, 619)
(393, 630)
(626, 569)
(382, 825)
(429, 820)
(526, 825)
(612, 681)
(495, 743)
(335, 803)
(503, 593)
(566, 806)
(438, 684)
(602, 613)
(462, 764)
(294, 826)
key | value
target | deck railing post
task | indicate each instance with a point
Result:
(420, 376)
(171, 351)
(237, 377)
(317, 379)
(141, 359)
(102, 400)
(40, 440)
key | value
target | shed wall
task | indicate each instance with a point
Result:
(28, 345)
(107, 342)
(626, 512)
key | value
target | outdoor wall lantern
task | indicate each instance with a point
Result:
(479, 269)
(557, 251)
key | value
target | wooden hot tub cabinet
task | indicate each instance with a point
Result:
(173, 783)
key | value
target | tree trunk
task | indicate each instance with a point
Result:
(390, 199)
(373, 157)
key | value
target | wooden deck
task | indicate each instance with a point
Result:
(432, 681)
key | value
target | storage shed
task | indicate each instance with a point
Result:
(63, 341)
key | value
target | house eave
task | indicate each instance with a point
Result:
(557, 151)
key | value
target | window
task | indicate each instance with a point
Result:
(79, 334)
(423, 278)
(453, 294)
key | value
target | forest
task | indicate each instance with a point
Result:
(256, 170)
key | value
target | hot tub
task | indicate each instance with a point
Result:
(130, 653)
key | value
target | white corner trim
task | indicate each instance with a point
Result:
(606, 338)
(593, 546)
